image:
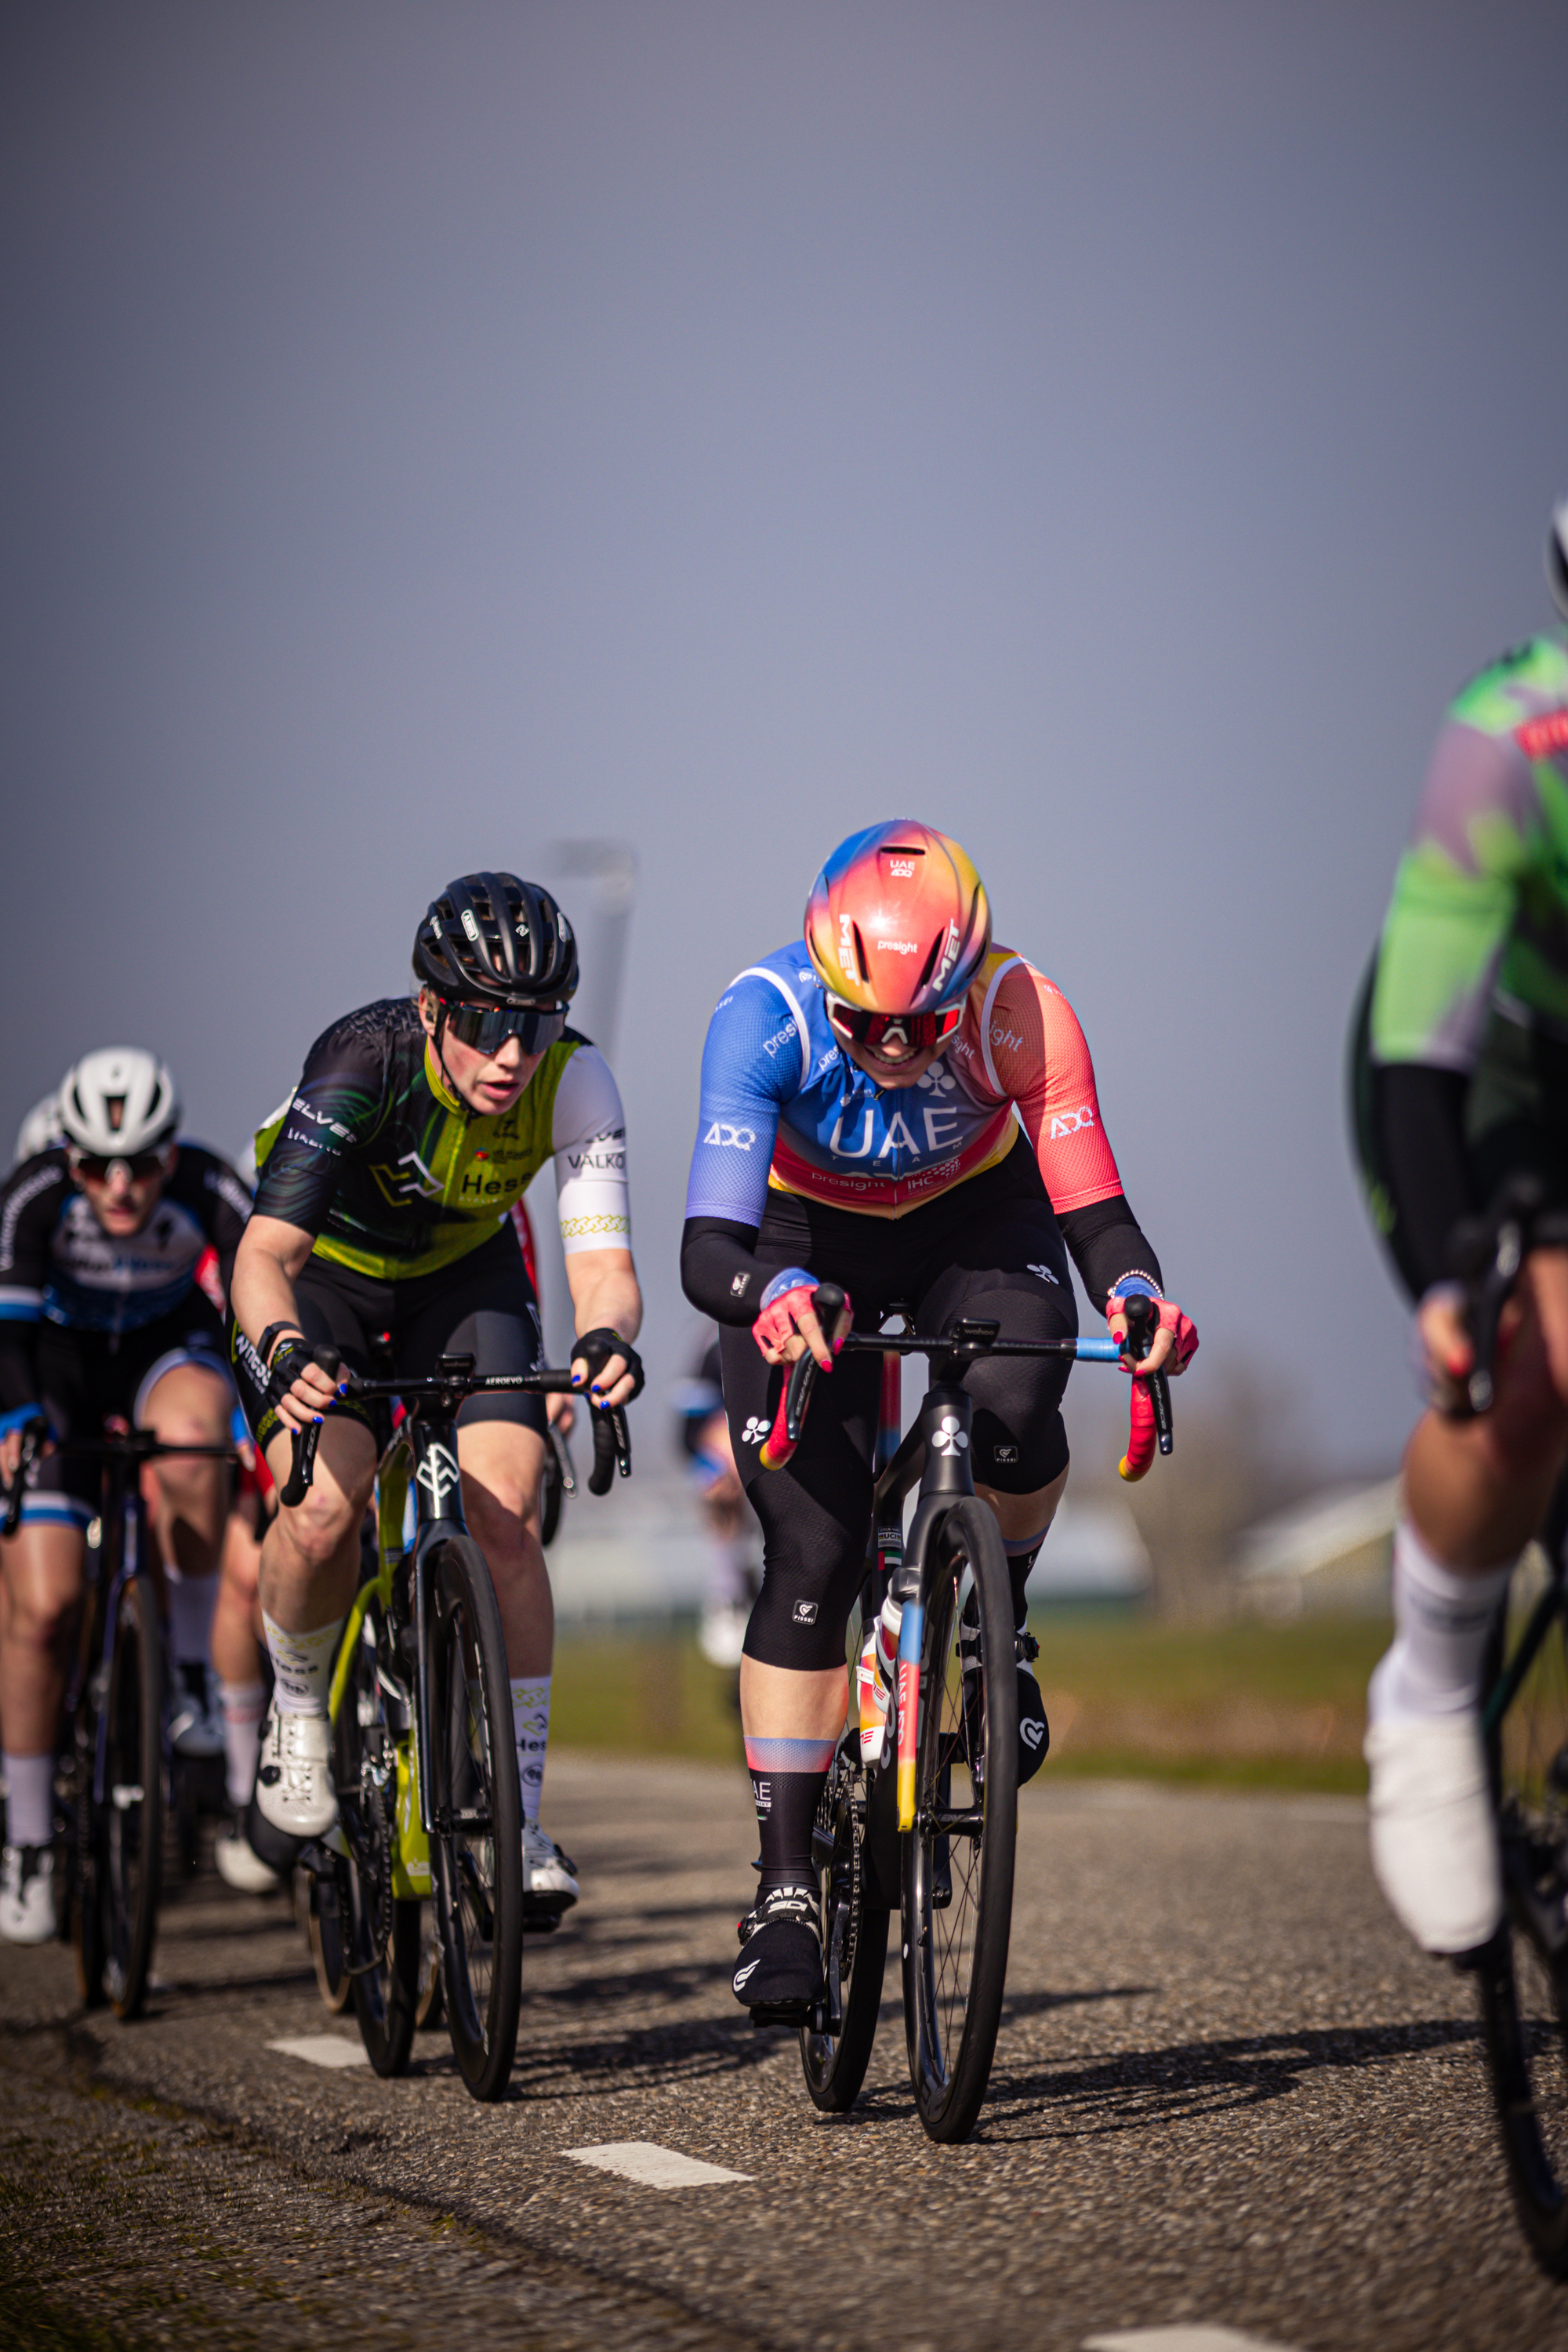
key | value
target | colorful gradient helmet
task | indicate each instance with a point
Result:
(897, 925)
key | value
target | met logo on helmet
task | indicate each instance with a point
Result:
(470, 925)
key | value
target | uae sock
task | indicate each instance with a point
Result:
(787, 1788)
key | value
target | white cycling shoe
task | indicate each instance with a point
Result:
(1434, 1833)
(549, 1880)
(238, 1864)
(294, 1780)
(27, 1914)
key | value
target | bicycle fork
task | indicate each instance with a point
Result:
(943, 1434)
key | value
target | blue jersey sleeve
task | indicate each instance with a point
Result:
(751, 1067)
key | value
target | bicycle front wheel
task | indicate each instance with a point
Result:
(122, 1877)
(855, 1937)
(958, 1858)
(475, 1817)
(1522, 1974)
(378, 1936)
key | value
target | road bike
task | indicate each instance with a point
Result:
(925, 1827)
(117, 1779)
(1522, 1974)
(429, 1810)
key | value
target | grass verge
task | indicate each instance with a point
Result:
(1246, 1705)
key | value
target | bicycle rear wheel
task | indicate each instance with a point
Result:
(122, 1854)
(958, 1858)
(378, 1935)
(475, 1817)
(855, 1935)
(1522, 1974)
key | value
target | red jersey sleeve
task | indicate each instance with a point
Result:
(1036, 1055)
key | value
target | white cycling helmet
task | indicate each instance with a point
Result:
(41, 1130)
(119, 1102)
(1557, 557)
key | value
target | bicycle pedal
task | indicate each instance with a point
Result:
(786, 2012)
(1027, 1649)
(540, 1922)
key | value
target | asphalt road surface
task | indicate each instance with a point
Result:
(1230, 2107)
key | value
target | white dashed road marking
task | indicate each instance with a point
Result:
(653, 2167)
(1180, 2339)
(323, 2050)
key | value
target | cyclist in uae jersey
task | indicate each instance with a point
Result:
(1460, 1081)
(381, 1216)
(105, 1235)
(893, 1104)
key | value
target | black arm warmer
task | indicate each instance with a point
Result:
(1107, 1242)
(718, 1271)
(1418, 1129)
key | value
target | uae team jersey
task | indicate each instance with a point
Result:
(1479, 920)
(395, 1176)
(782, 1107)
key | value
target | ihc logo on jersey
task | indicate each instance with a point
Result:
(754, 1432)
(728, 1138)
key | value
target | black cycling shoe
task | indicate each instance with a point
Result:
(1034, 1731)
(779, 1974)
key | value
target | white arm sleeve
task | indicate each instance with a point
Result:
(589, 1140)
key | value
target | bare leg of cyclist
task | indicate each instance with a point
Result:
(502, 1464)
(187, 1504)
(1475, 1492)
(43, 1569)
(308, 1571)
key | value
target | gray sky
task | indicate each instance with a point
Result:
(1108, 434)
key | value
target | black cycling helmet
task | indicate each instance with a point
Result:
(1557, 557)
(491, 940)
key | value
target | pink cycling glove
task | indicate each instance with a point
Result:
(783, 1302)
(1183, 1330)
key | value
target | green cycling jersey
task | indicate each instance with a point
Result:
(377, 1156)
(1479, 920)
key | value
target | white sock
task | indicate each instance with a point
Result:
(530, 1729)
(1441, 1619)
(302, 1664)
(192, 1600)
(29, 1800)
(243, 1705)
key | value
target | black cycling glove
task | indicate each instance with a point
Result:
(596, 1349)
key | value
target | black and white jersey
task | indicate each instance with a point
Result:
(57, 1264)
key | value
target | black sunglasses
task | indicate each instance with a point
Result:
(138, 1165)
(486, 1027)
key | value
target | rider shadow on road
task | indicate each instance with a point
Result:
(1139, 2088)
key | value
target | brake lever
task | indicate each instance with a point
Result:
(303, 1468)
